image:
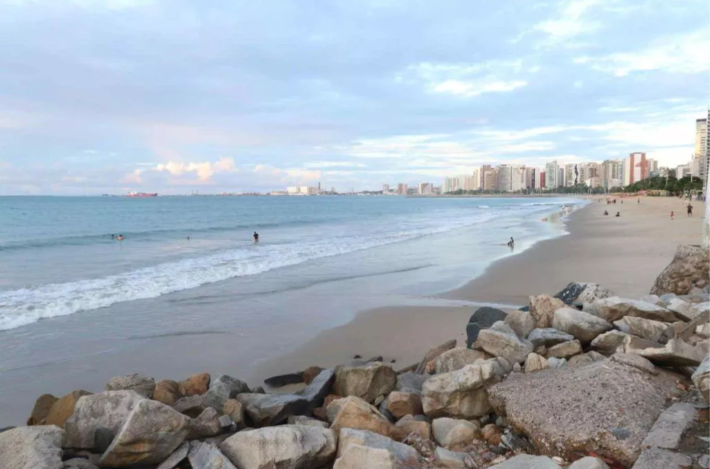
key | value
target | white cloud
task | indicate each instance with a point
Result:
(333, 164)
(204, 170)
(475, 88)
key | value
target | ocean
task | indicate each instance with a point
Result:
(77, 306)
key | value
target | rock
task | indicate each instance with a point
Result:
(591, 292)
(282, 447)
(167, 392)
(410, 382)
(585, 359)
(685, 310)
(483, 318)
(522, 322)
(501, 341)
(689, 268)
(79, 463)
(407, 425)
(454, 434)
(357, 457)
(589, 463)
(670, 426)
(107, 410)
(457, 358)
(176, 458)
(207, 456)
(192, 406)
(535, 362)
(284, 380)
(565, 349)
(143, 385)
(674, 353)
(353, 412)
(152, 432)
(583, 326)
(615, 308)
(608, 342)
(64, 408)
(548, 337)
(205, 425)
(701, 378)
(310, 373)
(306, 421)
(555, 363)
(461, 393)
(41, 409)
(195, 385)
(703, 330)
(542, 309)
(221, 389)
(655, 331)
(364, 381)
(653, 299)
(634, 361)
(36, 447)
(400, 404)
(578, 409)
(657, 458)
(490, 430)
(527, 461)
(516, 443)
(427, 363)
(406, 456)
(452, 459)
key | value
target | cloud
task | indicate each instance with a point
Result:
(204, 170)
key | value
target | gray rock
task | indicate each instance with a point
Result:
(282, 447)
(655, 331)
(406, 456)
(454, 433)
(221, 389)
(704, 461)
(462, 393)
(205, 425)
(701, 378)
(583, 326)
(410, 382)
(535, 362)
(272, 409)
(674, 353)
(483, 318)
(176, 458)
(501, 341)
(191, 406)
(542, 309)
(400, 404)
(615, 308)
(585, 359)
(107, 410)
(152, 432)
(589, 463)
(609, 342)
(367, 381)
(670, 426)
(79, 463)
(689, 268)
(634, 361)
(358, 456)
(527, 461)
(522, 322)
(555, 363)
(353, 412)
(548, 337)
(565, 350)
(143, 385)
(577, 407)
(457, 358)
(653, 299)
(685, 310)
(207, 456)
(36, 447)
(452, 459)
(306, 421)
(657, 458)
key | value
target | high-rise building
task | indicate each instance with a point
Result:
(702, 145)
(651, 166)
(611, 174)
(551, 175)
(561, 177)
(571, 175)
(484, 169)
(401, 189)
(490, 179)
(426, 188)
(543, 180)
(385, 188)
(511, 178)
(476, 179)
(635, 168)
(682, 171)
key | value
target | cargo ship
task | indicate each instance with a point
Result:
(142, 194)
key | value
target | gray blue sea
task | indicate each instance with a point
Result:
(78, 306)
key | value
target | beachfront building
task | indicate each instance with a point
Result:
(511, 178)
(571, 175)
(401, 189)
(552, 170)
(682, 171)
(543, 180)
(476, 182)
(593, 182)
(385, 188)
(426, 188)
(702, 142)
(635, 168)
(611, 174)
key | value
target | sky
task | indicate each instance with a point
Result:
(171, 96)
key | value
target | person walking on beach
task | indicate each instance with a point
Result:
(256, 237)
(606, 213)
(690, 210)
(672, 215)
(618, 214)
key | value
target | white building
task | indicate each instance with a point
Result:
(552, 175)
(385, 188)
(682, 171)
(426, 188)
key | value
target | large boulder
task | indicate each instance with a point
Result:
(656, 331)
(501, 341)
(608, 342)
(457, 358)
(583, 326)
(358, 457)
(366, 381)
(281, 447)
(108, 410)
(445, 458)
(614, 308)
(167, 391)
(527, 461)
(548, 337)
(207, 456)
(454, 434)
(565, 350)
(143, 385)
(580, 293)
(585, 359)
(603, 407)
(675, 353)
(64, 408)
(408, 424)
(41, 409)
(195, 385)
(306, 421)
(535, 362)
(222, 389)
(406, 456)
(701, 378)
(483, 318)
(150, 434)
(36, 447)
(589, 463)
(522, 322)
(410, 382)
(205, 425)
(690, 268)
(687, 311)
(542, 309)
(353, 412)
(462, 393)
(400, 404)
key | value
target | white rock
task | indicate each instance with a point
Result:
(360, 457)
(501, 341)
(583, 326)
(36, 447)
(453, 433)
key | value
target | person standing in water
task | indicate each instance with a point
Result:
(256, 237)
(511, 243)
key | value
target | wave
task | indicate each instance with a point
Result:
(29, 305)
(484, 206)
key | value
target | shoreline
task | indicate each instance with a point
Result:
(596, 249)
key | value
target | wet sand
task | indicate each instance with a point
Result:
(625, 254)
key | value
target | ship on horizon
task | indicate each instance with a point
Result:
(142, 194)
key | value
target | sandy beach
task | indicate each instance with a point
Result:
(625, 254)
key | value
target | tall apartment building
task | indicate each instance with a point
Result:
(484, 169)
(551, 175)
(401, 189)
(571, 175)
(635, 168)
(611, 174)
(702, 145)
(561, 177)
(651, 167)
(511, 178)
(426, 188)
(385, 188)
(476, 179)
(490, 179)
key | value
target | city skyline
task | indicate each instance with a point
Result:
(172, 97)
